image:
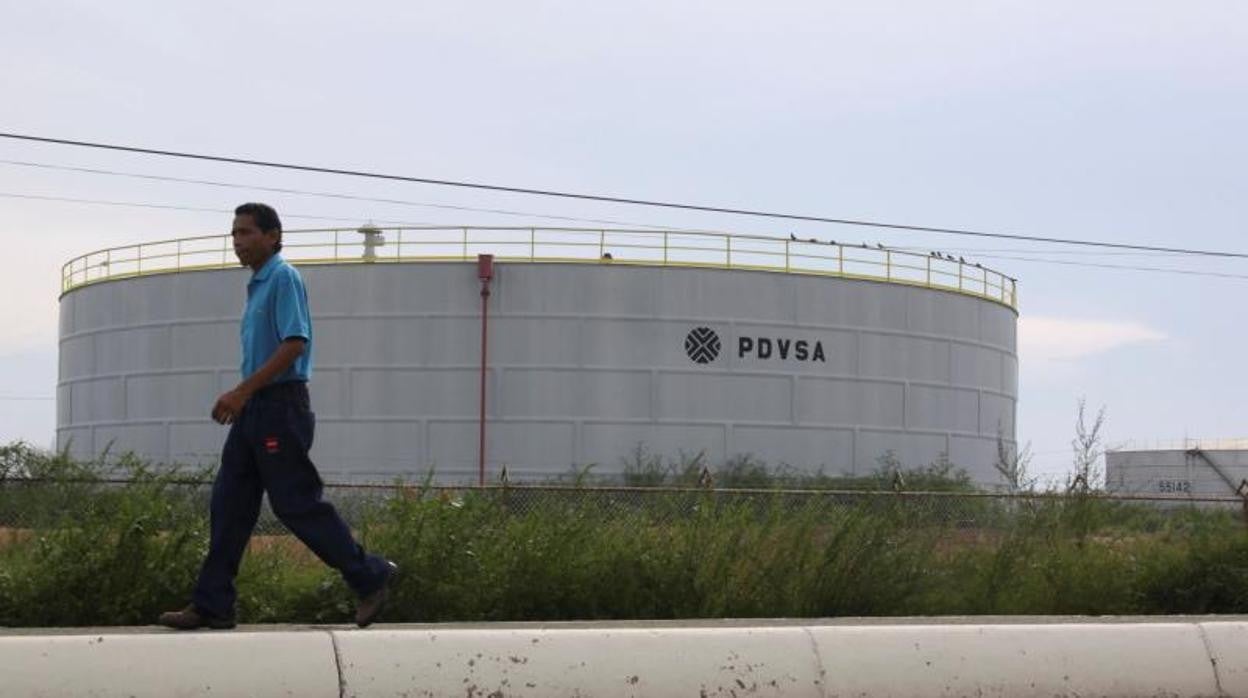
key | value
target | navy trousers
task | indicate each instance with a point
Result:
(267, 451)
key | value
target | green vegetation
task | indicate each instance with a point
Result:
(75, 551)
(644, 469)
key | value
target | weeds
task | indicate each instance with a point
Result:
(91, 553)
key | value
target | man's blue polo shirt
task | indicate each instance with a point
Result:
(276, 310)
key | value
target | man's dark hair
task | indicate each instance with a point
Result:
(265, 217)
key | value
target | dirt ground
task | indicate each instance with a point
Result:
(9, 536)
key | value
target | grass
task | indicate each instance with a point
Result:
(91, 554)
(744, 471)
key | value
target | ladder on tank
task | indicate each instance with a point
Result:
(1240, 490)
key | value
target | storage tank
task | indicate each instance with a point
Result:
(810, 355)
(1193, 468)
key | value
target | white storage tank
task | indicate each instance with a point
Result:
(799, 353)
(1188, 468)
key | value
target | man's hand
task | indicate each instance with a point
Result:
(228, 406)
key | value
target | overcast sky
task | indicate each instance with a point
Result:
(1118, 121)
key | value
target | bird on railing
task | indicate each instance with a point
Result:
(831, 242)
(792, 237)
(863, 245)
(978, 265)
(812, 240)
(879, 245)
(899, 481)
(705, 478)
(607, 256)
(961, 261)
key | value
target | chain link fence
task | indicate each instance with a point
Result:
(30, 504)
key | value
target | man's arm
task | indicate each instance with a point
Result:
(230, 404)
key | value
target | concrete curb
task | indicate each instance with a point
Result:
(581, 662)
(927, 659)
(167, 665)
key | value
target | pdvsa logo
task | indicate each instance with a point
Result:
(780, 348)
(702, 345)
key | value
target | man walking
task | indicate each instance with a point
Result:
(270, 435)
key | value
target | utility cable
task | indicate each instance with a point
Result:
(404, 202)
(1188, 272)
(1032, 250)
(324, 194)
(608, 199)
(1124, 267)
(172, 207)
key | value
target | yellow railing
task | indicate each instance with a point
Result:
(374, 245)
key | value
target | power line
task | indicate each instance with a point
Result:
(1125, 267)
(329, 195)
(99, 202)
(195, 209)
(351, 197)
(610, 199)
(62, 199)
(404, 202)
(1030, 250)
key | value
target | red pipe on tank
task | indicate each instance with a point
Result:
(485, 272)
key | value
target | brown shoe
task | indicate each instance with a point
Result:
(190, 618)
(370, 606)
